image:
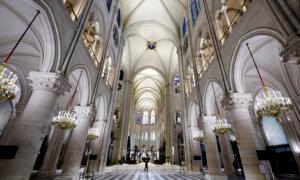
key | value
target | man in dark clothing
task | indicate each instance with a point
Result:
(146, 160)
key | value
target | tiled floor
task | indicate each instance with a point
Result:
(156, 172)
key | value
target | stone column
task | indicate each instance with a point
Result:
(187, 151)
(76, 145)
(96, 147)
(227, 154)
(212, 154)
(52, 154)
(195, 150)
(27, 132)
(169, 125)
(237, 104)
(125, 119)
(19, 108)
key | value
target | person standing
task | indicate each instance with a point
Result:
(146, 159)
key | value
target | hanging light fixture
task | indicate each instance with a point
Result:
(270, 103)
(8, 87)
(67, 119)
(221, 125)
(198, 136)
(92, 134)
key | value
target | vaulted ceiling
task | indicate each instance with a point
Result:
(156, 22)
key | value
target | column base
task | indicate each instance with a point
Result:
(47, 172)
(216, 177)
(67, 177)
(99, 173)
(230, 173)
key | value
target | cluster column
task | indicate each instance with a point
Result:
(169, 125)
(28, 131)
(96, 147)
(52, 154)
(237, 104)
(212, 154)
(74, 153)
(195, 149)
(227, 154)
(125, 120)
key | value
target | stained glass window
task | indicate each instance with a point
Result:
(195, 10)
(138, 116)
(153, 136)
(178, 117)
(145, 117)
(184, 28)
(177, 80)
(119, 17)
(108, 4)
(152, 118)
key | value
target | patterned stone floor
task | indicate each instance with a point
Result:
(156, 172)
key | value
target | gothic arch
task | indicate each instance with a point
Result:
(101, 107)
(193, 115)
(237, 62)
(84, 87)
(268, 61)
(40, 43)
(209, 99)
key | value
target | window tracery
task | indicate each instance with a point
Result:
(153, 117)
(178, 117)
(184, 27)
(153, 137)
(145, 117)
(195, 10)
(177, 84)
(138, 116)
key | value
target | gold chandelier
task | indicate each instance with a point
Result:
(67, 119)
(8, 88)
(92, 134)
(198, 136)
(270, 103)
(221, 126)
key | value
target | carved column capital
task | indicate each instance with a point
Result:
(84, 111)
(47, 81)
(237, 100)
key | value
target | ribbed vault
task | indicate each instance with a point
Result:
(155, 22)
